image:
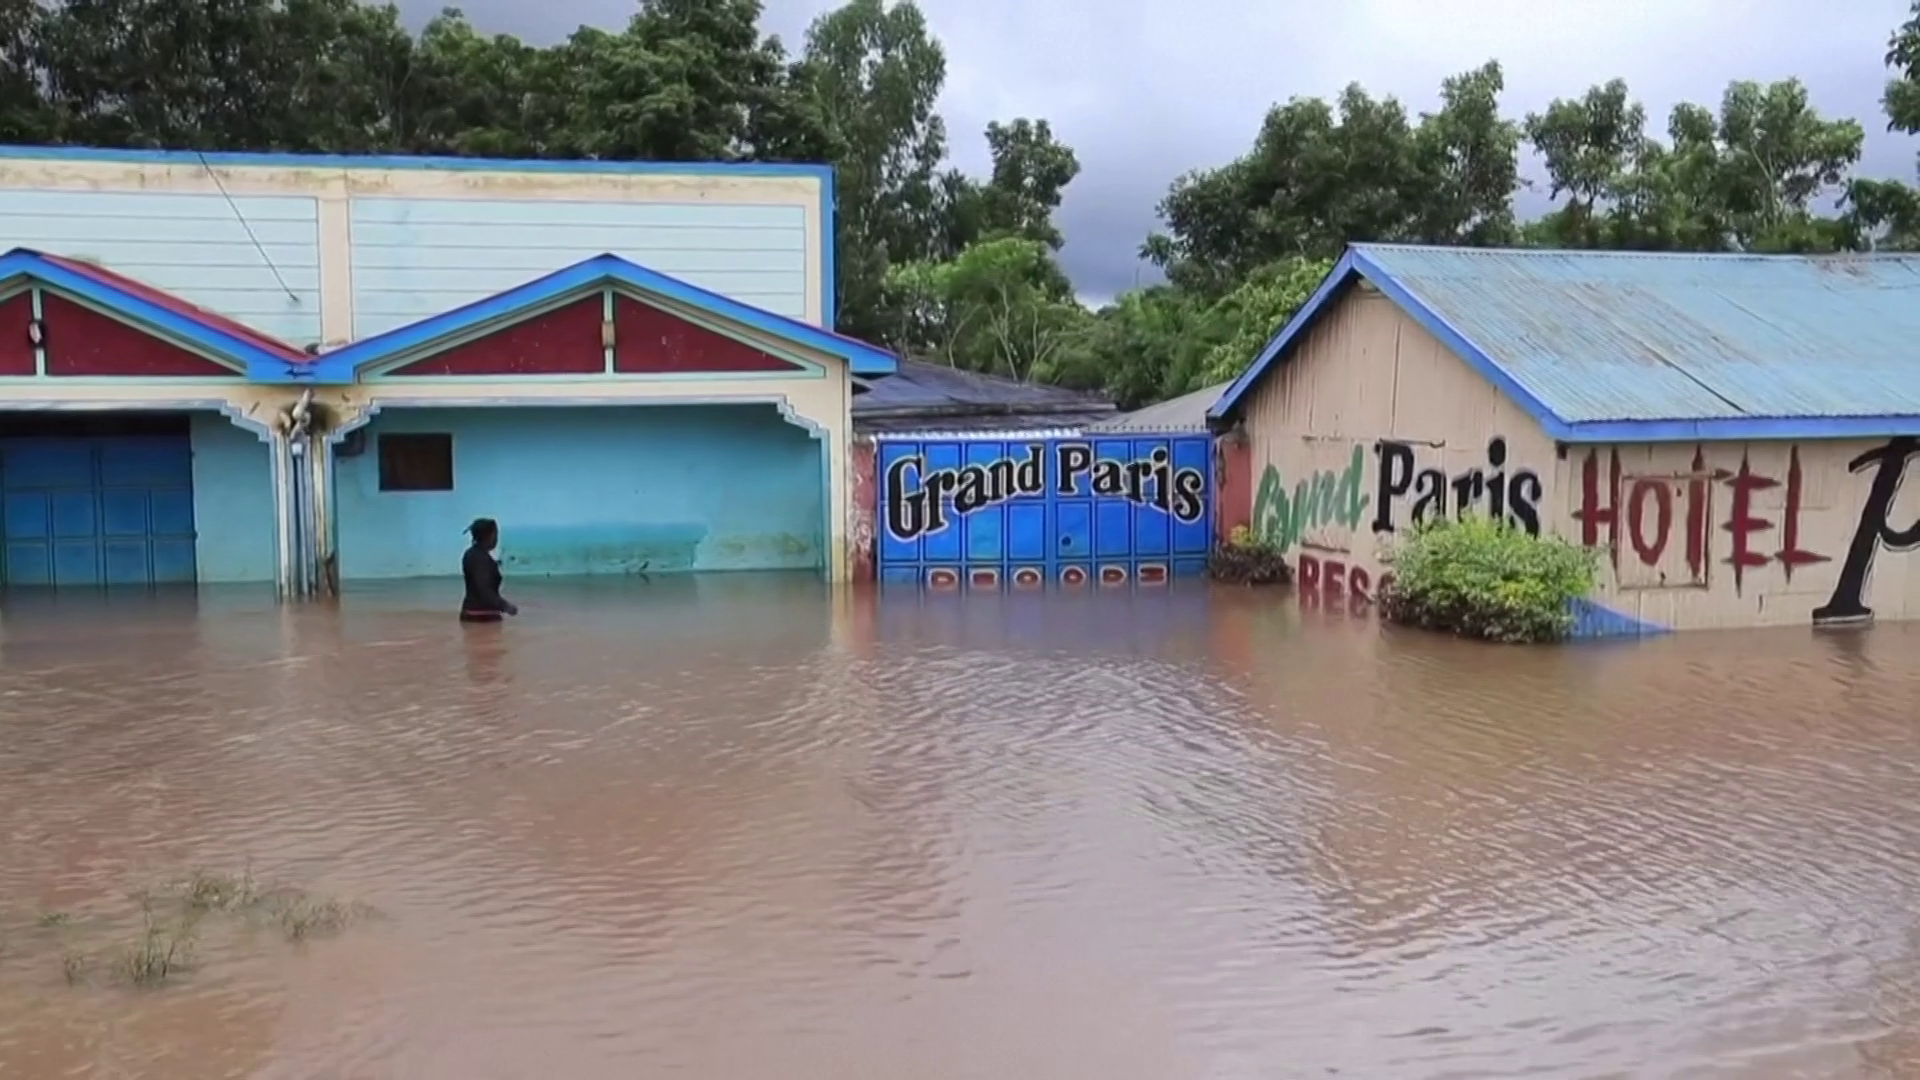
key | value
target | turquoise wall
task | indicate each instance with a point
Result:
(193, 246)
(592, 490)
(414, 257)
(232, 502)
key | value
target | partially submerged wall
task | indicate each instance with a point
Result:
(1373, 425)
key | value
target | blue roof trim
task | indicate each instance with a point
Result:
(1356, 263)
(829, 243)
(403, 161)
(823, 173)
(1330, 287)
(343, 365)
(259, 363)
(1595, 621)
(1433, 323)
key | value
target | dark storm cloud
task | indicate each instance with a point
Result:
(1145, 89)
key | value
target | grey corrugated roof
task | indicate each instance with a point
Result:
(1188, 412)
(1073, 422)
(934, 397)
(1613, 336)
(1630, 344)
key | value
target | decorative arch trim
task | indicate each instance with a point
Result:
(371, 409)
(350, 364)
(235, 414)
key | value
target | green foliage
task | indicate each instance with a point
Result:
(1001, 306)
(1164, 341)
(1485, 579)
(1246, 558)
(930, 260)
(1248, 317)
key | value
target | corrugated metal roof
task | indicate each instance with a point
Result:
(1599, 346)
(1073, 423)
(983, 434)
(1629, 336)
(922, 396)
(1188, 412)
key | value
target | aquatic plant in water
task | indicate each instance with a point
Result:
(161, 951)
(1486, 579)
(173, 912)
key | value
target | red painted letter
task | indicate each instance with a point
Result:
(1594, 515)
(1308, 570)
(1649, 548)
(1791, 554)
(1741, 522)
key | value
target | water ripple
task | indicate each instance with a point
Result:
(745, 829)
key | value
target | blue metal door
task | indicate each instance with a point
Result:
(1027, 512)
(116, 510)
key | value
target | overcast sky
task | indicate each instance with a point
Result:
(1146, 89)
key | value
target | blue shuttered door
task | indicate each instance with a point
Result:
(96, 511)
(1096, 513)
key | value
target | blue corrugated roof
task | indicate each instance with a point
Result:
(1603, 346)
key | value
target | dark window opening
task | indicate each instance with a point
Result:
(416, 462)
(92, 425)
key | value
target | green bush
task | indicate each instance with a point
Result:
(1248, 559)
(1485, 579)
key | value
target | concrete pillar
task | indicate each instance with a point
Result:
(286, 522)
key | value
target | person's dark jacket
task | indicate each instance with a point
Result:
(482, 573)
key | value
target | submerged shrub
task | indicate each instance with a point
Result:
(1248, 559)
(1485, 579)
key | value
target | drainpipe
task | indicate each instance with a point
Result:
(284, 519)
(302, 451)
(320, 486)
(294, 496)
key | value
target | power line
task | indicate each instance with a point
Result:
(242, 219)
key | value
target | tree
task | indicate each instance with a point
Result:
(1902, 98)
(1320, 176)
(1145, 346)
(872, 74)
(1592, 147)
(24, 114)
(1030, 174)
(1744, 179)
(1885, 214)
(1253, 313)
(1466, 165)
(1001, 307)
(930, 259)
(468, 95)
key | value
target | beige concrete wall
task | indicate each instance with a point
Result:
(333, 190)
(1368, 388)
(1374, 422)
(1746, 534)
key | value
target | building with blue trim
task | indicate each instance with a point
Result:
(303, 369)
(1732, 432)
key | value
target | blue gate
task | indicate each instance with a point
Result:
(96, 511)
(1027, 512)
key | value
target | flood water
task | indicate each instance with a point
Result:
(736, 829)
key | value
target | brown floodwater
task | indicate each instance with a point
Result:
(738, 828)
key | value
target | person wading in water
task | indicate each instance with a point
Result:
(483, 602)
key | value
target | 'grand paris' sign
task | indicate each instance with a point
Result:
(919, 501)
